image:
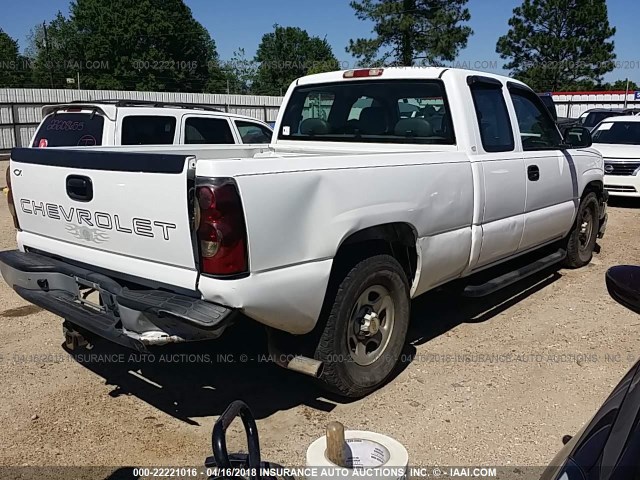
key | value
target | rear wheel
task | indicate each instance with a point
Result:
(582, 239)
(366, 328)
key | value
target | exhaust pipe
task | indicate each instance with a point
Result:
(297, 363)
(305, 365)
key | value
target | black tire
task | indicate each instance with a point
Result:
(582, 239)
(341, 373)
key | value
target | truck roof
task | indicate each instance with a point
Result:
(400, 73)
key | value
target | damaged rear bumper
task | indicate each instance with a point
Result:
(129, 317)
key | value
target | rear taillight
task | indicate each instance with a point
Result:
(12, 206)
(222, 234)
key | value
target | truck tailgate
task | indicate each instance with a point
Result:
(120, 205)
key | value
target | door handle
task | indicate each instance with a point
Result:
(533, 172)
(79, 188)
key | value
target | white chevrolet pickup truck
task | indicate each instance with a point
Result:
(379, 185)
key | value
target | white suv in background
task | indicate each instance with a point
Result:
(618, 140)
(133, 122)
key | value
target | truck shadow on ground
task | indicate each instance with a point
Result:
(201, 379)
(436, 313)
(624, 202)
(198, 380)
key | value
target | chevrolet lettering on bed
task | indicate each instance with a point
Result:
(103, 220)
(378, 185)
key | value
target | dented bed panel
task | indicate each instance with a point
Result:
(297, 216)
(288, 298)
(299, 210)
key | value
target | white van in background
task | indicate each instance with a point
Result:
(129, 122)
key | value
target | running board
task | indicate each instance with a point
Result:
(514, 276)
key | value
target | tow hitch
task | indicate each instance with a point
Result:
(73, 339)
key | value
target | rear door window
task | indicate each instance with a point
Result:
(70, 130)
(148, 130)
(493, 117)
(253, 132)
(209, 131)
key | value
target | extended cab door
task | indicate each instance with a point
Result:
(502, 169)
(549, 176)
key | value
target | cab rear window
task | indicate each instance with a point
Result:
(70, 130)
(373, 111)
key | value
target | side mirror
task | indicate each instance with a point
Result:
(623, 283)
(577, 137)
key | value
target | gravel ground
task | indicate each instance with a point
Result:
(3, 167)
(540, 359)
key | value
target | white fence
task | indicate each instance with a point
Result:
(20, 108)
(572, 104)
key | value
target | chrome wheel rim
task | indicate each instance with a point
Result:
(586, 229)
(370, 325)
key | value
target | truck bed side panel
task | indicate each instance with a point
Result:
(301, 216)
(297, 219)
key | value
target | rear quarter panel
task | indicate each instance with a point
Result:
(300, 209)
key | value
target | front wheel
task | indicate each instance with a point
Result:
(582, 239)
(366, 328)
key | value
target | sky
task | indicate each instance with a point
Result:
(235, 24)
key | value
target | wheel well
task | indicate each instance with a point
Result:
(596, 187)
(395, 239)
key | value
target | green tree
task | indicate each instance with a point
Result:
(240, 73)
(620, 86)
(53, 53)
(323, 66)
(288, 53)
(431, 31)
(9, 61)
(557, 44)
(122, 45)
